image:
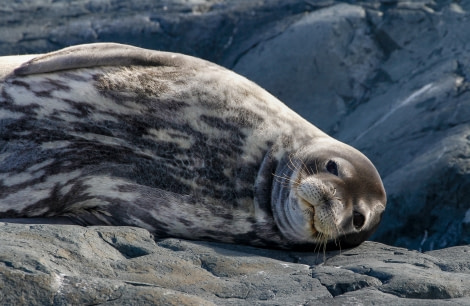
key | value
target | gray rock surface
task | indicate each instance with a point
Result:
(391, 78)
(64, 265)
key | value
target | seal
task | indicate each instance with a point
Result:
(110, 134)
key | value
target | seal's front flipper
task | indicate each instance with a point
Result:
(51, 220)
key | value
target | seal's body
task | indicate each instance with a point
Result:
(108, 134)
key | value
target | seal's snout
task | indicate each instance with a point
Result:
(315, 191)
(317, 197)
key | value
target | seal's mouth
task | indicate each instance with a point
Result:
(309, 211)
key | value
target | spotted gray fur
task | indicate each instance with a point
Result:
(163, 141)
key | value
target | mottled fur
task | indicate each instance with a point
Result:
(116, 135)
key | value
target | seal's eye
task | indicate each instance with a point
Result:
(358, 220)
(332, 167)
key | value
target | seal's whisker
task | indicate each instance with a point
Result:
(303, 166)
(283, 176)
(293, 166)
(324, 244)
(285, 180)
(319, 245)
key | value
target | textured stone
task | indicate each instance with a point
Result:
(321, 62)
(62, 265)
(391, 78)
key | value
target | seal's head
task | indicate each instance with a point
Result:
(328, 194)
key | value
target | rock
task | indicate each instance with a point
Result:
(63, 265)
(318, 64)
(414, 126)
(391, 78)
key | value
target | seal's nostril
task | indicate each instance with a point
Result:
(358, 220)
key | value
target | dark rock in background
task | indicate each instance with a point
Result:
(391, 78)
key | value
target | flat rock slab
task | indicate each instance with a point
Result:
(63, 265)
(391, 78)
